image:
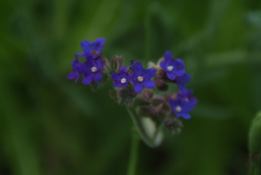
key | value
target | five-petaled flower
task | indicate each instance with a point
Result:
(172, 67)
(121, 79)
(92, 50)
(183, 104)
(142, 77)
(91, 70)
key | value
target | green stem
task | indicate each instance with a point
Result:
(133, 154)
(137, 121)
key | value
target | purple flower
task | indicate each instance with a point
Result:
(186, 97)
(142, 77)
(172, 67)
(183, 104)
(122, 78)
(93, 49)
(182, 80)
(91, 70)
(75, 74)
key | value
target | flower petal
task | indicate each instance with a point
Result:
(86, 46)
(87, 79)
(72, 75)
(137, 67)
(171, 76)
(138, 87)
(149, 73)
(114, 76)
(163, 65)
(98, 77)
(186, 116)
(149, 84)
(168, 57)
(123, 69)
(99, 64)
(99, 42)
(116, 84)
(79, 55)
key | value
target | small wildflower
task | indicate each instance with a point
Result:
(75, 74)
(172, 67)
(186, 97)
(92, 71)
(93, 49)
(182, 80)
(122, 78)
(183, 104)
(142, 77)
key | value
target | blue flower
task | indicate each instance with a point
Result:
(91, 70)
(76, 64)
(122, 78)
(142, 77)
(183, 104)
(186, 97)
(182, 80)
(93, 49)
(75, 74)
(172, 67)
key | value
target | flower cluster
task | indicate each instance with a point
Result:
(134, 84)
(93, 65)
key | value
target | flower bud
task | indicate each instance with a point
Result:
(144, 98)
(126, 95)
(173, 125)
(116, 63)
(160, 84)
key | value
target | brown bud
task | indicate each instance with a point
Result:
(160, 84)
(105, 62)
(144, 98)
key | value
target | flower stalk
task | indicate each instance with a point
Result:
(133, 154)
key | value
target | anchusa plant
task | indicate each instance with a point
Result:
(145, 91)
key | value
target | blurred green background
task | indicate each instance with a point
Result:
(51, 126)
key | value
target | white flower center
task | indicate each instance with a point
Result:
(94, 69)
(140, 79)
(170, 68)
(178, 109)
(123, 80)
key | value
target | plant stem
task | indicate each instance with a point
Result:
(151, 142)
(133, 154)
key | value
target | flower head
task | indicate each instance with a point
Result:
(91, 70)
(183, 104)
(93, 49)
(142, 77)
(172, 67)
(121, 79)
